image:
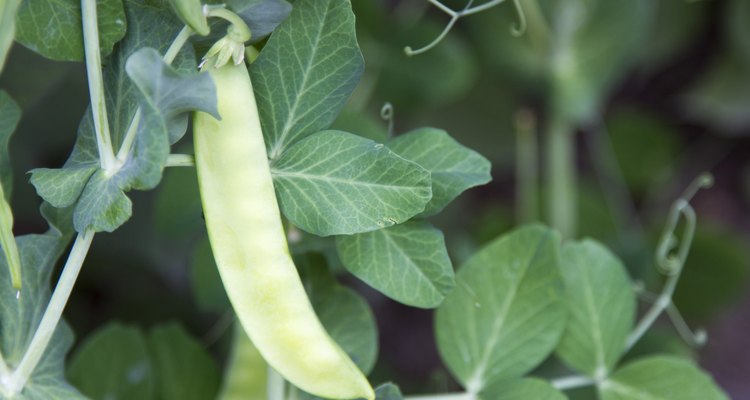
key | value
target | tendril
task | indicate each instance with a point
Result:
(519, 28)
(387, 113)
(516, 30)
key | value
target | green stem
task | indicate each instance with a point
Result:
(561, 177)
(572, 382)
(275, 385)
(52, 314)
(169, 56)
(443, 396)
(96, 85)
(527, 170)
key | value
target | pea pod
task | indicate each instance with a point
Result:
(250, 248)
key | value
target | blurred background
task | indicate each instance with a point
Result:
(651, 93)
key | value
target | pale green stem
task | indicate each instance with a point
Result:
(96, 85)
(180, 160)
(275, 385)
(527, 167)
(8, 242)
(561, 177)
(52, 314)
(169, 56)
(443, 396)
(572, 382)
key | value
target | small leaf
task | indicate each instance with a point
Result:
(103, 205)
(601, 308)
(660, 378)
(408, 262)
(453, 167)
(53, 28)
(334, 183)
(505, 315)
(8, 9)
(113, 363)
(261, 16)
(184, 368)
(306, 72)
(61, 187)
(521, 389)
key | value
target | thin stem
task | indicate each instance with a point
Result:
(443, 396)
(561, 177)
(96, 85)
(8, 243)
(572, 382)
(275, 385)
(180, 160)
(52, 314)
(527, 167)
(169, 56)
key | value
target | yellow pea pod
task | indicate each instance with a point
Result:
(191, 13)
(250, 248)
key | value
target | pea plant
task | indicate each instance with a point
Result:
(229, 110)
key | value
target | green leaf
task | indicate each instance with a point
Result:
(660, 378)
(306, 72)
(505, 315)
(10, 114)
(246, 374)
(407, 262)
(601, 308)
(113, 364)
(521, 389)
(19, 317)
(334, 183)
(345, 315)
(53, 28)
(164, 95)
(61, 187)
(261, 16)
(183, 367)
(8, 11)
(453, 167)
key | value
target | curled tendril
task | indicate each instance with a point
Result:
(669, 261)
(232, 45)
(519, 28)
(387, 113)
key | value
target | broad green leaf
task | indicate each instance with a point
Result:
(334, 183)
(183, 367)
(601, 308)
(453, 167)
(19, 317)
(506, 314)
(306, 72)
(10, 114)
(660, 378)
(408, 262)
(345, 315)
(165, 95)
(113, 364)
(53, 28)
(8, 10)
(246, 373)
(521, 389)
